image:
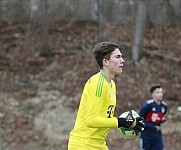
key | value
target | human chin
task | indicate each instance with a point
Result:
(120, 70)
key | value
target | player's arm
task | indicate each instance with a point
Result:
(93, 111)
(144, 110)
(102, 122)
(163, 119)
(95, 120)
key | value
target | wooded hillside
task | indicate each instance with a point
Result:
(40, 94)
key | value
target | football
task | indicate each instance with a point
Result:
(126, 132)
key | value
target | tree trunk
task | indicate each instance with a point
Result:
(139, 30)
(98, 13)
(45, 25)
(1, 10)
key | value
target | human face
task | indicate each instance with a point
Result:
(158, 94)
(115, 63)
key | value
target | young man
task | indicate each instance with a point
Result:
(153, 111)
(96, 110)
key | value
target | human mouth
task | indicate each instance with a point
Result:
(121, 66)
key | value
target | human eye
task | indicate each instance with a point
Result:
(118, 56)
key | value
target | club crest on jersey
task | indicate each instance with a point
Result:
(153, 109)
(163, 109)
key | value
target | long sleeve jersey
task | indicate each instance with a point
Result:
(152, 114)
(95, 114)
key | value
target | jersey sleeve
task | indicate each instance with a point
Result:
(95, 99)
(166, 107)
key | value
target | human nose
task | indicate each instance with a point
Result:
(122, 60)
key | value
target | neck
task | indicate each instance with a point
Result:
(157, 102)
(107, 75)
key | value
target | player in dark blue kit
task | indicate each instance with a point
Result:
(153, 111)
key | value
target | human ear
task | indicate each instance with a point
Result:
(105, 62)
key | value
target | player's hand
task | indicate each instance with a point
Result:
(126, 122)
(157, 128)
(163, 119)
(130, 122)
(139, 126)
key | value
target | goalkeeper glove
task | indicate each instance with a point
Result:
(133, 123)
(139, 127)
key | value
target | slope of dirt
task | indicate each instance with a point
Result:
(35, 89)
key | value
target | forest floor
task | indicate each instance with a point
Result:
(39, 94)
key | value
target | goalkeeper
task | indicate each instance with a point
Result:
(96, 110)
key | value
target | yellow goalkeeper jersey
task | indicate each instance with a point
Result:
(95, 115)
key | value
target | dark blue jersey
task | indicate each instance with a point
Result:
(153, 115)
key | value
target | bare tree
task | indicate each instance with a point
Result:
(45, 26)
(169, 14)
(1, 141)
(139, 30)
(98, 13)
(0, 10)
(1, 16)
(39, 26)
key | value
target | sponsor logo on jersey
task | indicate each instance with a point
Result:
(155, 117)
(110, 111)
